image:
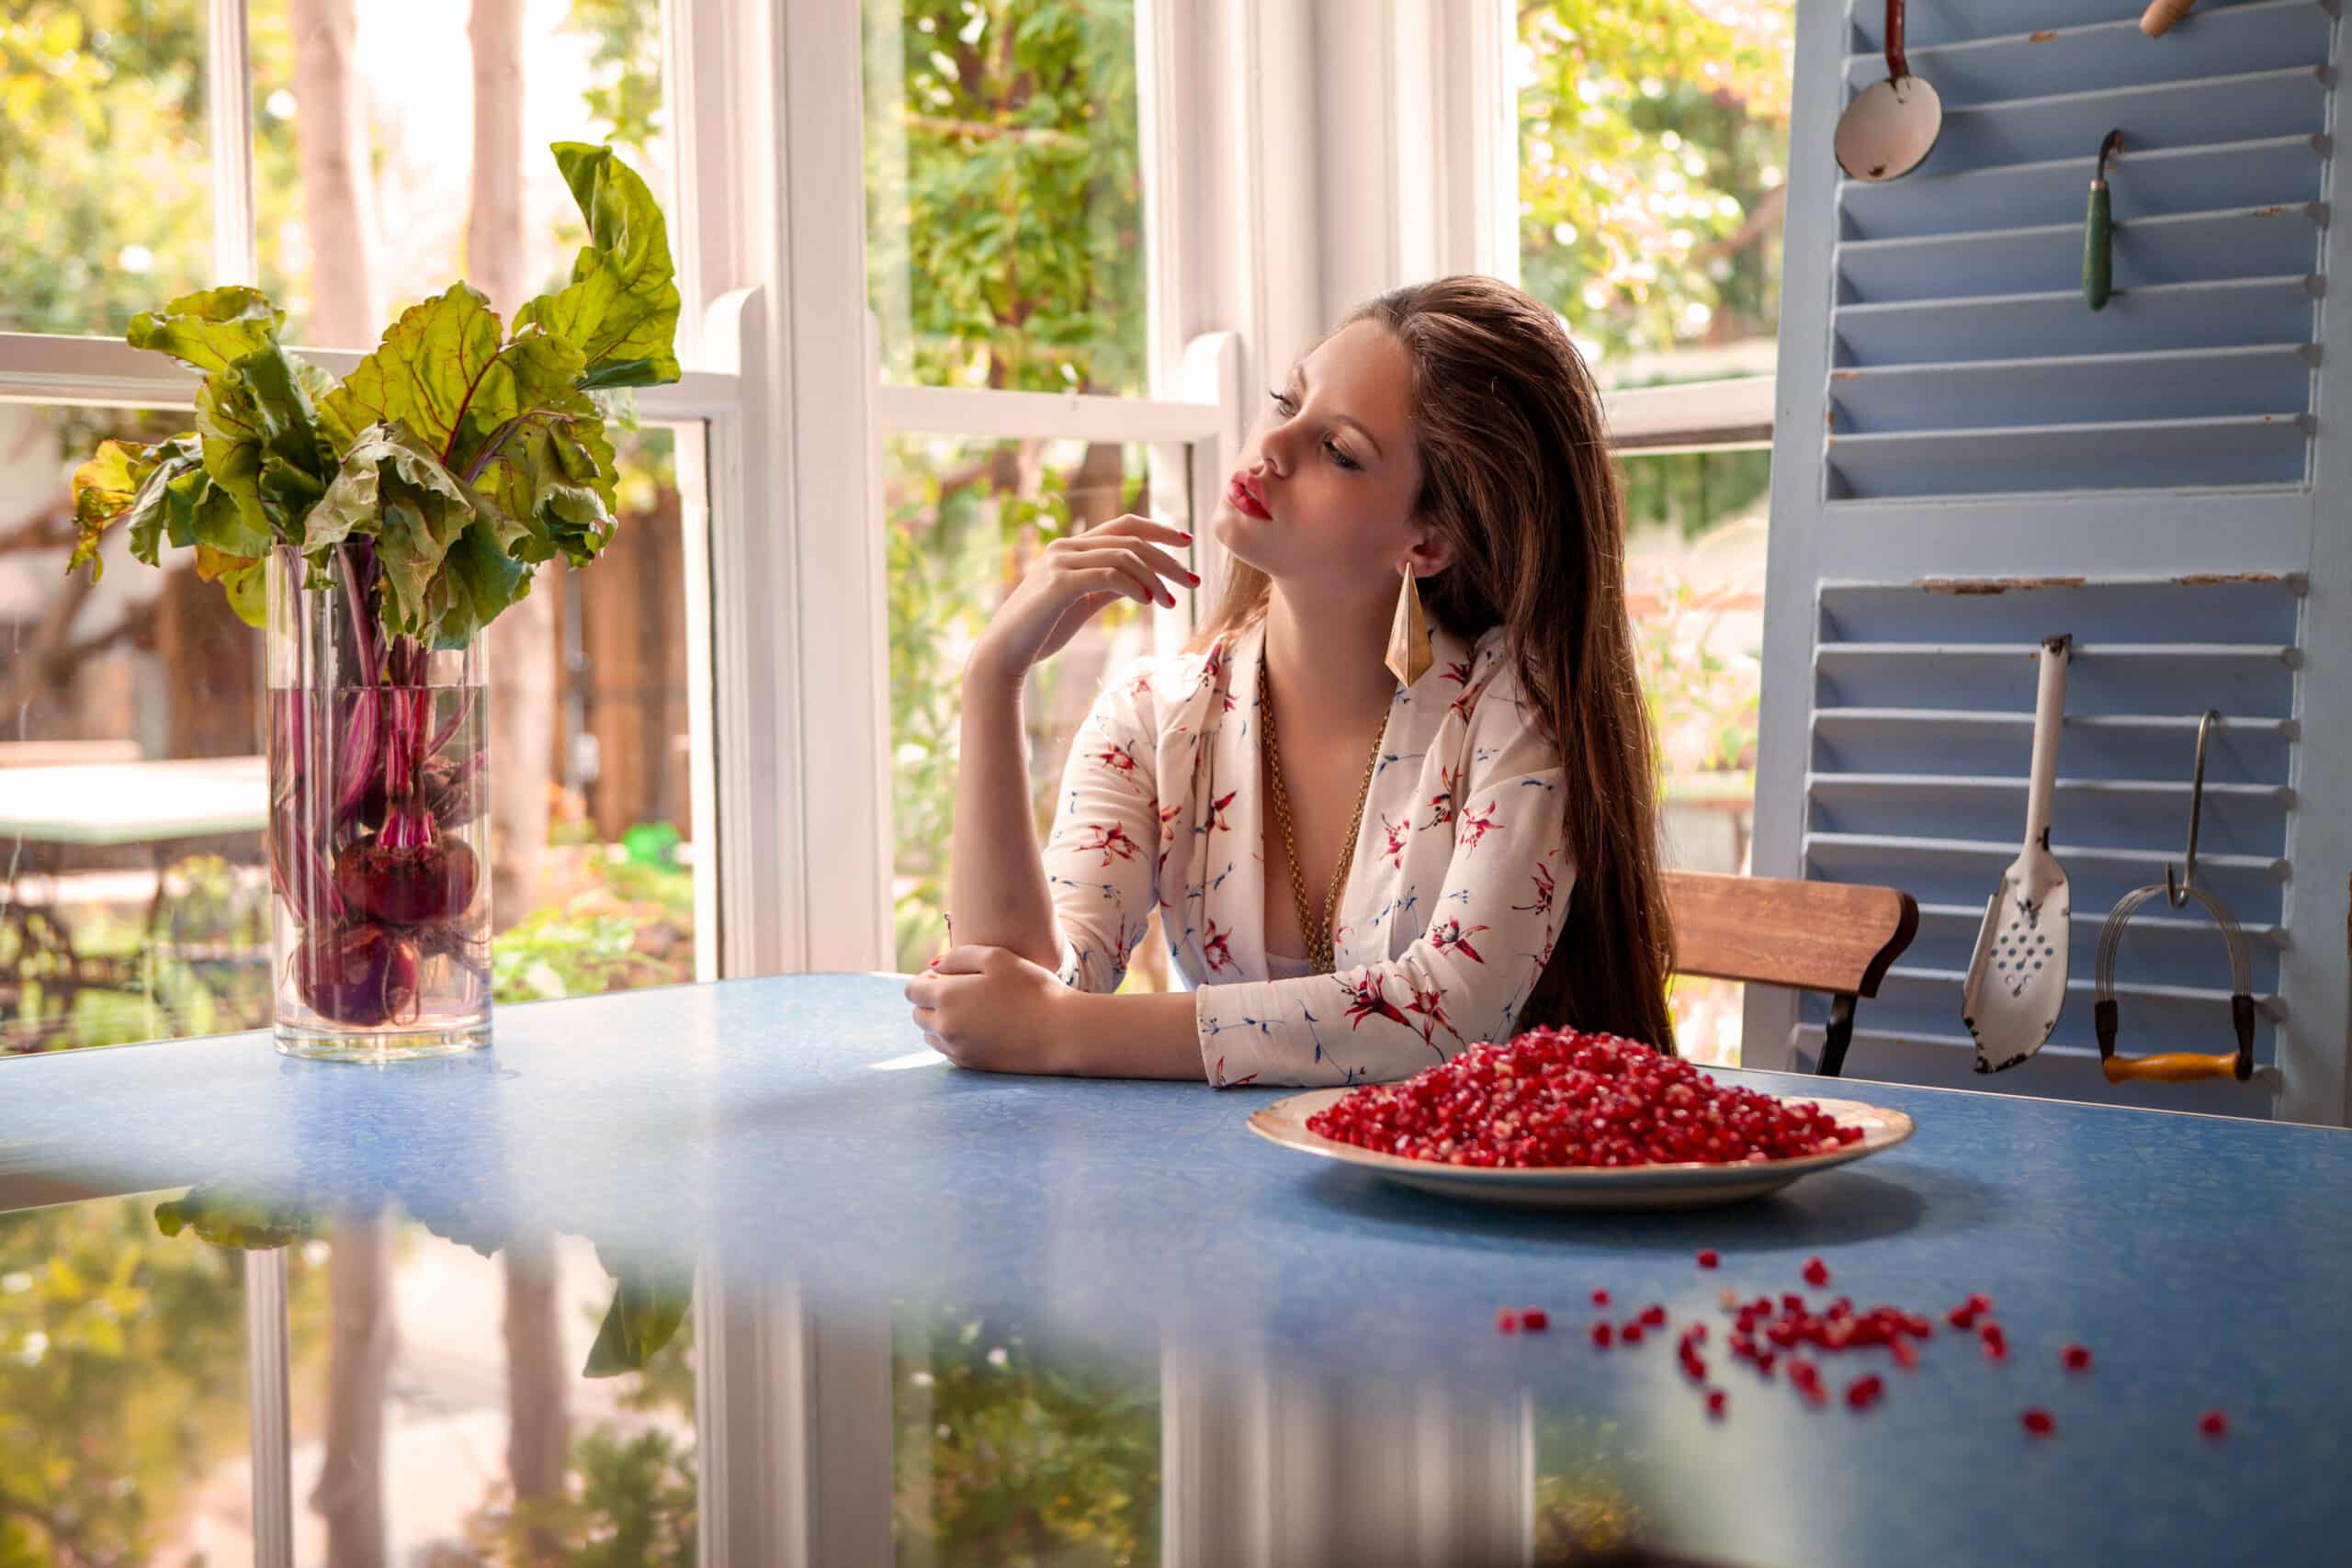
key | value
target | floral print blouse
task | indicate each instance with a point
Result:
(1454, 890)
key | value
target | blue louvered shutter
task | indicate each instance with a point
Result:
(1968, 458)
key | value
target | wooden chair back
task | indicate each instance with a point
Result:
(1770, 931)
(1813, 936)
(1767, 930)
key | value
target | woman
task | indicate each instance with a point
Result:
(1365, 848)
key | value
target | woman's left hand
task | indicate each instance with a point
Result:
(991, 1009)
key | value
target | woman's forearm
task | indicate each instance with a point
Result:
(1149, 1035)
(996, 895)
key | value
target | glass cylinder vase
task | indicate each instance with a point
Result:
(380, 822)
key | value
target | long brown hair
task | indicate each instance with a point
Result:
(1515, 474)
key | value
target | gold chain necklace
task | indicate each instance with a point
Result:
(1318, 933)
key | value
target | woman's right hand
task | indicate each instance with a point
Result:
(1072, 580)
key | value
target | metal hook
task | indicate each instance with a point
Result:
(2176, 895)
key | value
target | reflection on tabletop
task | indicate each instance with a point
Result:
(459, 1396)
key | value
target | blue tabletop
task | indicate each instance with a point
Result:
(797, 1123)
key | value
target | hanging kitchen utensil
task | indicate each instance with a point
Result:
(2179, 1067)
(2178, 896)
(2158, 19)
(2017, 982)
(1890, 127)
(2098, 233)
(2175, 1066)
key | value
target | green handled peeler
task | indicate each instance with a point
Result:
(2098, 233)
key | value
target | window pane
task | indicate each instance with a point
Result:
(380, 177)
(1654, 148)
(107, 173)
(965, 519)
(610, 906)
(129, 696)
(1004, 194)
(1695, 530)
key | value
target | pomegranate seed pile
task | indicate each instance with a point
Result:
(1548, 1099)
(1786, 1332)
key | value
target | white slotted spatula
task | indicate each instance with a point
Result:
(2017, 983)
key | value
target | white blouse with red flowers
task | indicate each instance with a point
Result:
(1454, 888)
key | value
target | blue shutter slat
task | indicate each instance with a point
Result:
(2210, 109)
(2104, 678)
(2232, 313)
(2276, 171)
(2249, 819)
(2252, 35)
(2192, 247)
(2267, 448)
(2086, 388)
(1883, 740)
(1928, 24)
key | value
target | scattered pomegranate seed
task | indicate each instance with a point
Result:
(1996, 1344)
(1632, 1333)
(1791, 1302)
(2077, 1357)
(2213, 1423)
(1600, 1298)
(1730, 1297)
(1961, 1317)
(1505, 1322)
(1764, 1359)
(1696, 1333)
(1654, 1315)
(1904, 1357)
(1708, 1258)
(1816, 1272)
(1980, 1304)
(1697, 1367)
(1715, 1403)
(1863, 1392)
(1601, 1332)
(1535, 1320)
(1553, 1099)
(2037, 1421)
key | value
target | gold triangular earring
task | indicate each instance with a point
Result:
(1408, 635)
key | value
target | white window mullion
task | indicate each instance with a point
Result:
(229, 96)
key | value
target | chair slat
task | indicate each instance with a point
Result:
(1815, 936)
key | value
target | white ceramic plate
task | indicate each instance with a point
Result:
(1685, 1186)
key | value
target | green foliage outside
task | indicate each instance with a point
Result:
(1005, 1455)
(122, 1378)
